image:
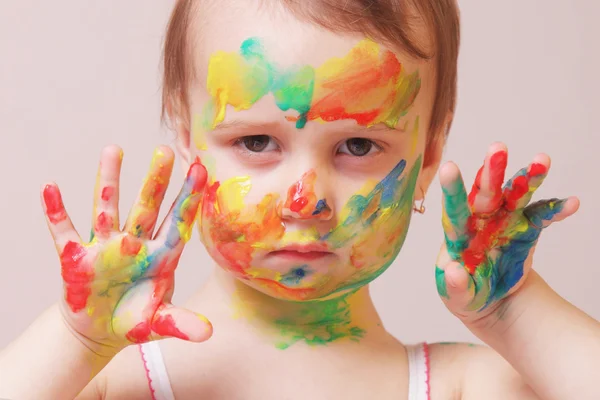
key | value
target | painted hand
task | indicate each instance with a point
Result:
(491, 233)
(118, 286)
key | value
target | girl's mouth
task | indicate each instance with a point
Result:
(302, 252)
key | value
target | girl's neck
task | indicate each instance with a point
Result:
(349, 317)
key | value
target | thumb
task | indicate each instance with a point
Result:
(171, 321)
(455, 286)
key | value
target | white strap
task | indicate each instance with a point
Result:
(418, 372)
(156, 372)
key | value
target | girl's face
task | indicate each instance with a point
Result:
(314, 145)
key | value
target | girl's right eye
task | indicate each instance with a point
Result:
(257, 143)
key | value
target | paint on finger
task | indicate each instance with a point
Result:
(55, 209)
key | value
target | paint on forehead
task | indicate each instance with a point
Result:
(368, 85)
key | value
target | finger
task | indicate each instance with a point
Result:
(521, 187)
(456, 287)
(170, 321)
(486, 194)
(60, 225)
(544, 212)
(177, 227)
(105, 215)
(455, 209)
(142, 219)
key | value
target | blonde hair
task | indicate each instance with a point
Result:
(391, 21)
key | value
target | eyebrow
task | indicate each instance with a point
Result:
(248, 125)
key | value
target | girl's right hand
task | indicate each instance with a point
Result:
(118, 286)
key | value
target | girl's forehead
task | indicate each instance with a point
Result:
(287, 40)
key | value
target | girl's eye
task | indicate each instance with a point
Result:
(258, 143)
(358, 147)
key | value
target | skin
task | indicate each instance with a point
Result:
(542, 347)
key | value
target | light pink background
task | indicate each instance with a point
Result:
(76, 75)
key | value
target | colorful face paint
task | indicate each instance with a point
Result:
(371, 229)
(494, 247)
(368, 85)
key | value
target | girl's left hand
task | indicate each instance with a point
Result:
(491, 233)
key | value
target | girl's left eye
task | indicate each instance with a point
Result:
(359, 147)
(257, 143)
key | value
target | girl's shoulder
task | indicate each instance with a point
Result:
(470, 371)
(123, 378)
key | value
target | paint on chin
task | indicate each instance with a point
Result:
(368, 85)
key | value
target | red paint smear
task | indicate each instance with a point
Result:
(237, 254)
(537, 169)
(140, 333)
(130, 246)
(484, 238)
(164, 325)
(55, 209)
(104, 224)
(107, 193)
(298, 204)
(497, 166)
(519, 188)
(301, 197)
(357, 84)
(197, 173)
(77, 276)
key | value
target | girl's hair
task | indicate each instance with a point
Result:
(394, 22)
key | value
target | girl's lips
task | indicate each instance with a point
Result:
(296, 255)
(302, 252)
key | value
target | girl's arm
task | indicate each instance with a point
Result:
(553, 345)
(117, 287)
(48, 361)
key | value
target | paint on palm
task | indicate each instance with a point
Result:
(368, 85)
(494, 246)
(99, 276)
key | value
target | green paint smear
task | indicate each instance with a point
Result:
(330, 321)
(440, 280)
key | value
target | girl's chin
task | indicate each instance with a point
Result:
(278, 290)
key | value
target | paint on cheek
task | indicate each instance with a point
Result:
(55, 209)
(375, 224)
(368, 85)
(233, 230)
(77, 275)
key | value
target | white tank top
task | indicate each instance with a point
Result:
(160, 386)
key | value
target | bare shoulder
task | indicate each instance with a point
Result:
(123, 378)
(468, 371)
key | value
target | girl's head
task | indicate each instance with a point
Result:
(319, 122)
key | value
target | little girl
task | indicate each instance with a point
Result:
(310, 131)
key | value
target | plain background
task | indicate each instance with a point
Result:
(75, 76)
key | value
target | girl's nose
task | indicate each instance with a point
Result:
(305, 201)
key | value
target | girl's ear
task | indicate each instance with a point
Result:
(180, 124)
(434, 158)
